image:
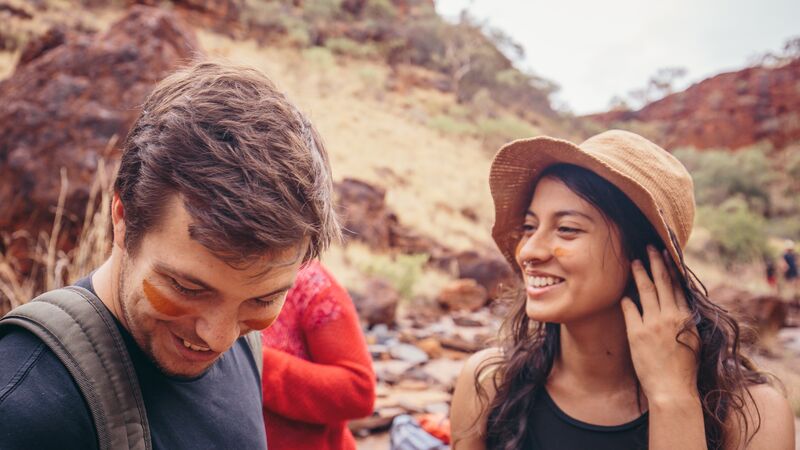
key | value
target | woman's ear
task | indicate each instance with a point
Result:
(118, 221)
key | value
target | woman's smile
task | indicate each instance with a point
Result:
(538, 284)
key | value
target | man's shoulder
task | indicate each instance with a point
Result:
(40, 404)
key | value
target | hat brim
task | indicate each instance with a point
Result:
(516, 169)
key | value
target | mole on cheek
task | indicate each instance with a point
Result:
(260, 324)
(559, 252)
(160, 302)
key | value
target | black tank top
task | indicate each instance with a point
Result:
(553, 429)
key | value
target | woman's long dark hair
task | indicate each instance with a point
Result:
(530, 348)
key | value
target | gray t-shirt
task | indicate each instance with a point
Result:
(41, 407)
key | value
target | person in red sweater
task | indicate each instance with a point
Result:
(317, 369)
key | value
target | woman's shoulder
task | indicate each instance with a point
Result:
(769, 420)
(474, 392)
(484, 364)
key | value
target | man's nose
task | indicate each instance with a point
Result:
(218, 329)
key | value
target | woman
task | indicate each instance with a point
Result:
(317, 370)
(612, 344)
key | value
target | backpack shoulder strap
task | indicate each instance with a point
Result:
(81, 331)
(255, 344)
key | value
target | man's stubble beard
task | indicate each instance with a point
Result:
(123, 299)
(145, 343)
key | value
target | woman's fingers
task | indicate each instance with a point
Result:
(648, 296)
(677, 288)
(633, 320)
(661, 279)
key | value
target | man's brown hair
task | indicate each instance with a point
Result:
(251, 170)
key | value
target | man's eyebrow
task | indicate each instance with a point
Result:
(562, 213)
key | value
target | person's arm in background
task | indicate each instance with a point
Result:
(338, 383)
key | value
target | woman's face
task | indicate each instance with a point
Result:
(570, 256)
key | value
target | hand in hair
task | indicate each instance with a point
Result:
(663, 343)
(664, 347)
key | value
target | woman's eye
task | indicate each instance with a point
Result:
(528, 228)
(568, 230)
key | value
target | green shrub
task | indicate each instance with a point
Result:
(320, 57)
(298, 35)
(497, 131)
(348, 47)
(380, 10)
(721, 174)
(737, 234)
(322, 11)
(402, 271)
(269, 15)
(447, 124)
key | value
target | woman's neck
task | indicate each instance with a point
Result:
(595, 355)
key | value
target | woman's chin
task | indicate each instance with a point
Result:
(539, 312)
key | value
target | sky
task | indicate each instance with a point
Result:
(595, 50)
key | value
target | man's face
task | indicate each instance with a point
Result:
(184, 306)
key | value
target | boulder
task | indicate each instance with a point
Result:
(765, 314)
(378, 303)
(462, 295)
(220, 15)
(367, 218)
(490, 271)
(69, 104)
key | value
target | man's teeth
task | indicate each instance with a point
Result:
(196, 348)
(543, 281)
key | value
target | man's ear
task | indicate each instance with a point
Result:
(118, 221)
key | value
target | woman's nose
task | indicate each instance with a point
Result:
(534, 247)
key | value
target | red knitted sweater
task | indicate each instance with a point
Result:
(317, 370)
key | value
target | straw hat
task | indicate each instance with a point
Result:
(652, 178)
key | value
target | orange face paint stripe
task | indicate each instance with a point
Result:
(559, 252)
(260, 324)
(160, 302)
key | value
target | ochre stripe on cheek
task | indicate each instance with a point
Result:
(559, 252)
(160, 302)
(260, 324)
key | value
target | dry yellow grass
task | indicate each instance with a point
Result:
(52, 268)
(382, 138)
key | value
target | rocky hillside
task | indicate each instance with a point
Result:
(730, 110)
(392, 132)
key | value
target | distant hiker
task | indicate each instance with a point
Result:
(318, 372)
(771, 273)
(611, 343)
(223, 192)
(790, 275)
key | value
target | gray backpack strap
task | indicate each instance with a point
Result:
(254, 341)
(82, 333)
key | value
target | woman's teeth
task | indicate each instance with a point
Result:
(196, 348)
(539, 282)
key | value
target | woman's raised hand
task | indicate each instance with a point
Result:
(664, 357)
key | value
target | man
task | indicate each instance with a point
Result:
(223, 192)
